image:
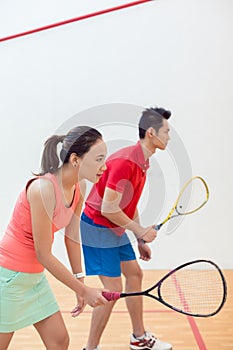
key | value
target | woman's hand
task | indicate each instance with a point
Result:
(94, 296)
(78, 309)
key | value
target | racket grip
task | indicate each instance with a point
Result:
(111, 295)
(158, 227)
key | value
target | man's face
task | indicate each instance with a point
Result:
(163, 135)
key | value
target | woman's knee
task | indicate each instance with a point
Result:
(61, 342)
(65, 342)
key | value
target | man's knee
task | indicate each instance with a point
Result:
(135, 276)
(112, 283)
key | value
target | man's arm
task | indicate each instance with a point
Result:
(144, 249)
(112, 211)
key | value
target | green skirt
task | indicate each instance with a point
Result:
(25, 299)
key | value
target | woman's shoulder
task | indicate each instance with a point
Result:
(40, 187)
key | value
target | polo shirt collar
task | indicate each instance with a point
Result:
(144, 164)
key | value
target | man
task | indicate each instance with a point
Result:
(110, 209)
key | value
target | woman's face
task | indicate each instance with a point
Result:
(92, 164)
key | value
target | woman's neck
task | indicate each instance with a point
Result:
(65, 177)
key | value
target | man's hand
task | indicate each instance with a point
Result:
(144, 250)
(148, 234)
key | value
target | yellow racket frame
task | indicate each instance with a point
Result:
(174, 208)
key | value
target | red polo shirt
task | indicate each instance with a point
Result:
(125, 173)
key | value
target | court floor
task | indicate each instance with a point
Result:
(185, 333)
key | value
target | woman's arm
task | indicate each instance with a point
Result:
(72, 235)
(42, 202)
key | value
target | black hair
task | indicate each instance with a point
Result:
(152, 117)
(78, 140)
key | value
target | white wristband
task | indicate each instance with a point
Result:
(79, 275)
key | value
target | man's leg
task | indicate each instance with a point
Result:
(133, 275)
(101, 314)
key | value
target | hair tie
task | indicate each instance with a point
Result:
(61, 138)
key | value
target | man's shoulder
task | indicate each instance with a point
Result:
(123, 154)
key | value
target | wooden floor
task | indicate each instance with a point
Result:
(185, 333)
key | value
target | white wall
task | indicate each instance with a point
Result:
(172, 53)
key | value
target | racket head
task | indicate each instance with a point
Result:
(197, 288)
(192, 197)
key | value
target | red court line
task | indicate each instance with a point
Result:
(193, 325)
(196, 333)
(89, 15)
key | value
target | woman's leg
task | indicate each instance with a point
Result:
(5, 339)
(53, 332)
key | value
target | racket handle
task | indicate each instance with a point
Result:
(111, 295)
(157, 228)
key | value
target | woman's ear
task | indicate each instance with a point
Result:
(74, 160)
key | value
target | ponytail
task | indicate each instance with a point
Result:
(50, 161)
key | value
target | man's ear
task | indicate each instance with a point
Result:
(151, 132)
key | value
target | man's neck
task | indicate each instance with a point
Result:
(147, 148)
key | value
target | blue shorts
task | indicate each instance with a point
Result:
(103, 250)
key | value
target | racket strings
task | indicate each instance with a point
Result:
(196, 292)
(193, 196)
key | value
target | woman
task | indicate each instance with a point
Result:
(50, 201)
